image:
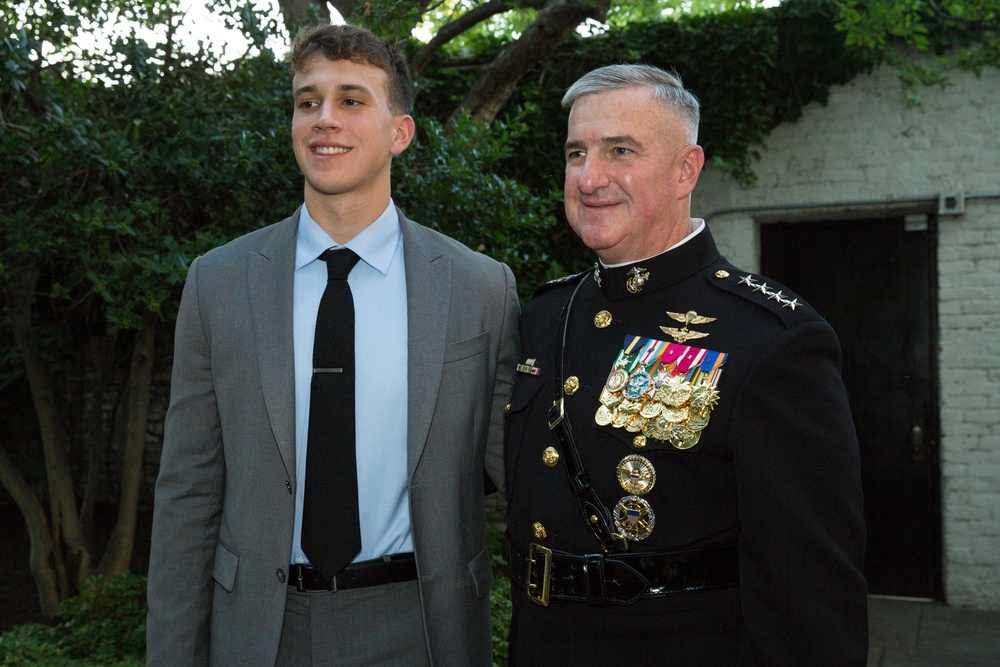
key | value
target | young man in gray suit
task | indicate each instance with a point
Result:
(233, 579)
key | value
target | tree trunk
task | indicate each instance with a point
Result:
(498, 80)
(65, 526)
(38, 534)
(297, 13)
(102, 352)
(468, 20)
(118, 553)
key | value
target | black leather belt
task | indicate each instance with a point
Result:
(621, 579)
(385, 570)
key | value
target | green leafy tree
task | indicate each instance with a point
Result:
(963, 34)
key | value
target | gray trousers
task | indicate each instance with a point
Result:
(359, 627)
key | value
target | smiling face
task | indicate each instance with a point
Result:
(345, 134)
(629, 174)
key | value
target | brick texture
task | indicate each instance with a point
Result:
(868, 151)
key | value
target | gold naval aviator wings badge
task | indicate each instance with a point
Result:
(664, 390)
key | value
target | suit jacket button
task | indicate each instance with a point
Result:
(281, 575)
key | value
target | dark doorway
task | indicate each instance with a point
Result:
(875, 282)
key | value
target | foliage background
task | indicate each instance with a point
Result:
(121, 164)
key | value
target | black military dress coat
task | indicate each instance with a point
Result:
(749, 444)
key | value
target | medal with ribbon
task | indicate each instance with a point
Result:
(664, 390)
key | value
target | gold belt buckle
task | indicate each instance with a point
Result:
(539, 593)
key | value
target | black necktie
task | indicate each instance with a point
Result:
(331, 530)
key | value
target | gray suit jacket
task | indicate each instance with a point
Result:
(224, 506)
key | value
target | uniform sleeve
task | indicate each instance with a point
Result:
(507, 357)
(802, 538)
(188, 499)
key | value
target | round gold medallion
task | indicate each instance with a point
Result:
(675, 414)
(651, 409)
(634, 518)
(636, 424)
(604, 416)
(636, 474)
(617, 380)
(571, 384)
(550, 457)
(684, 438)
(697, 421)
(622, 418)
(602, 319)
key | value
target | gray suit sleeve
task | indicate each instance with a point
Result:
(509, 352)
(188, 500)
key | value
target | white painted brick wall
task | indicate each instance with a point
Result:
(868, 144)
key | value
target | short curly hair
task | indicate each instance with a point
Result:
(348, 42)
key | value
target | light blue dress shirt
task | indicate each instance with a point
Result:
(378, 285)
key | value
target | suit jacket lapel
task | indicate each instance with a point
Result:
(270, 273)
(428, 295)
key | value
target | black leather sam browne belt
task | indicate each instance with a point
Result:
(621, 579)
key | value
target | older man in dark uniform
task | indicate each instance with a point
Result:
(682, 469)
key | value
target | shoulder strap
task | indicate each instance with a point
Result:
(595, 514)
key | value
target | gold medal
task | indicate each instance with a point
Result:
(631, 406)
(704, 397)
(650, 410)
(621, 418)
(604, 416)
(674, 415)
(697, 421)
(617, 380)
(634, 518)
(686, 439)
(675, 391)
(636, 474)
(636, 424)
(609, 399)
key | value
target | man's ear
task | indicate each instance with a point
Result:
(404, 129)
(692, 162)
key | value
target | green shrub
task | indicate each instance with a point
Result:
(105, 625)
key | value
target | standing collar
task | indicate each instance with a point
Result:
(690, 255)
(375, 245)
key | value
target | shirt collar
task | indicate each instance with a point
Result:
(697, 224)
(375, 245)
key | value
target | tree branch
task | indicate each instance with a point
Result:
(468, 20)
(498, 80)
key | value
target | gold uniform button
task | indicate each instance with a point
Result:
(722, 273)
(639, 441)
(593, 519)
(539, 531)
(550, 457)
(571, 384)
(602, 319)
(506, 408)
